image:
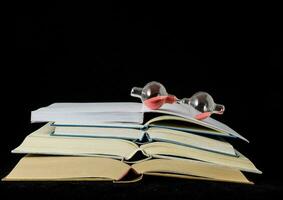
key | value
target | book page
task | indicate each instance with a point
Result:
(191, 168)
(99, 132)
(112, 107)
(34, 168)
(173, 151)
(89, 113)
(182, 124)
(188, 112)
(43, 142)
(101, 124)
(191, 140)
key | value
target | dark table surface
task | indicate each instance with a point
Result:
(149, 187)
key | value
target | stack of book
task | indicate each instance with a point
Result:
(126, 141)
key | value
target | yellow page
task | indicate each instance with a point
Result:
(32, 168)
(42, 142)
(173, 151)
(191, 168)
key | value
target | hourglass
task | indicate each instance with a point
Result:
(154, 95)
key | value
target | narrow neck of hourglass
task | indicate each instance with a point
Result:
(183, 101)
(219, 109)
(136, 92)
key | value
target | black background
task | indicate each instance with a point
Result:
(96, 53)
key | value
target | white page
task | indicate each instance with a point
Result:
(102, 124)
(112, 107)
(86, 118)
(123, 133)
(89, 113)
(188, 112)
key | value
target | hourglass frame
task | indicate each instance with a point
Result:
(154, 96)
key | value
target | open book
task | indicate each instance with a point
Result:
(53, 168)
(43, 141)
(152, 134)
(113, 141)
(131, 115)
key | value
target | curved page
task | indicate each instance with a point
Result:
(43, 142)
(32, 168)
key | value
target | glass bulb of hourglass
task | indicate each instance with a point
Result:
(203, 102)
(153, 89)
(153, 95)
